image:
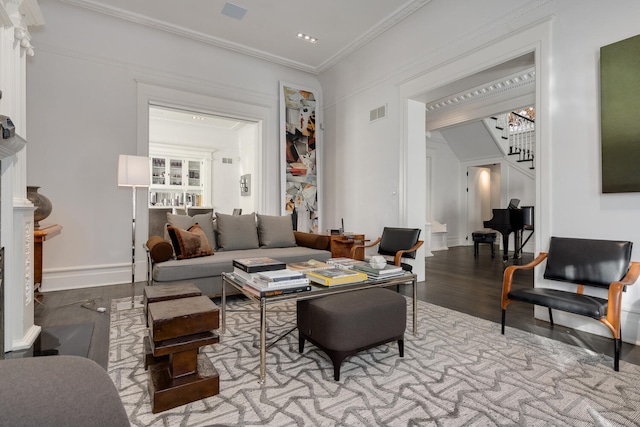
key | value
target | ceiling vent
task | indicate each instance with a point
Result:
(378, 113)
(233, 11)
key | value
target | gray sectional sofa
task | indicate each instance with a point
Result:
(199, 248)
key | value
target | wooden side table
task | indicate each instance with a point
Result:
(40, 235)
(340, 245)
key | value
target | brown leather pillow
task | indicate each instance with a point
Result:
(311, 240)
(160, 250)
(189, 243)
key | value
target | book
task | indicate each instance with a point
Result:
(336, 276)
(386, 271)
(279, 285)
(259, 264)
(343, 262)
(306, 266)
(258, 289)
(279, 275)
(255, 277)
(241, 274)
(274, 292)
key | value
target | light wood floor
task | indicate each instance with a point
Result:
(454, 279)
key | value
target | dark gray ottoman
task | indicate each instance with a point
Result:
(343, 324)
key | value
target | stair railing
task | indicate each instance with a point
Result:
(522, 138)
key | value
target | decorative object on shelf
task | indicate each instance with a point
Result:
(42, 204)
(133, 171)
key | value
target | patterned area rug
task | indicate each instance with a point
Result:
(459, 370)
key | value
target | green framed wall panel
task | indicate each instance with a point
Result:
(620, 122)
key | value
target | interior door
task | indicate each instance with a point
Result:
(478, 199)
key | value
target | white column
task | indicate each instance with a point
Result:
(16, 211)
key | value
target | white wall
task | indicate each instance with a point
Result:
(226, 181)
(82, 108)
(438, 45)
(82, 114)
(248, 154)
(445, 189)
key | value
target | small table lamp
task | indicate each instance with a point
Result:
(133, 171)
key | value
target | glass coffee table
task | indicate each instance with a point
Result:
(316, 291)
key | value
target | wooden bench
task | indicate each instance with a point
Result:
(587, 264)
(483, 237)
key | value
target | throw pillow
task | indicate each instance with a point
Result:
(276, 231)
(189, 243)
(159, 249)
(237, 232)
(205, 221)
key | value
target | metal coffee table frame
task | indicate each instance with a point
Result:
(315, 292)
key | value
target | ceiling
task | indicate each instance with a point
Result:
(269, 29)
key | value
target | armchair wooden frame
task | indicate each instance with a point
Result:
(397, 259)
(613, 303)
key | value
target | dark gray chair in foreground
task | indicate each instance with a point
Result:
(58, 391)
(396, 242)
(343, 324)
(586, 263)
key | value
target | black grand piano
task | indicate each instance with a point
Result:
(512, 220)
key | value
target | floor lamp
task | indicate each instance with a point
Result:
(133, 171)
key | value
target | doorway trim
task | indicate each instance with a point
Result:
(149, 94)
(536, 39)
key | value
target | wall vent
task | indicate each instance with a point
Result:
(227, 160)
(378, 113)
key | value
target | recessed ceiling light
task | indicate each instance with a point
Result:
(307, 37)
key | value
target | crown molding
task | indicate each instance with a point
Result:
(397, 16)
(187, 33)
(31, 12)
(517, 81)
(378, 29)
(478, 102)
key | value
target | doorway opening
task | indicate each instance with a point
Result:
(202, 160)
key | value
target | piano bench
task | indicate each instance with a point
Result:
(483, 237)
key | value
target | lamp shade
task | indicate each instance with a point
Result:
(133, 171)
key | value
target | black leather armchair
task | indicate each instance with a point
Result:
(396, 242)
(585, 263)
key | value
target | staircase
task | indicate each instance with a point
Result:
(519, 130)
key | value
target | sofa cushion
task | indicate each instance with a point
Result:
(190, 243)
(237, 232)
(195, 268)
(205, 221)
(275, 231)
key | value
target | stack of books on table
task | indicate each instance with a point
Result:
(308, 266)
(379, 273)
(343, 262)
(264, 277)
(336, 276)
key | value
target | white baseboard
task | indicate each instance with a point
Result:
(27, 340)
(88, 277)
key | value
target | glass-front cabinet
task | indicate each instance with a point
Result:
(178, 182)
